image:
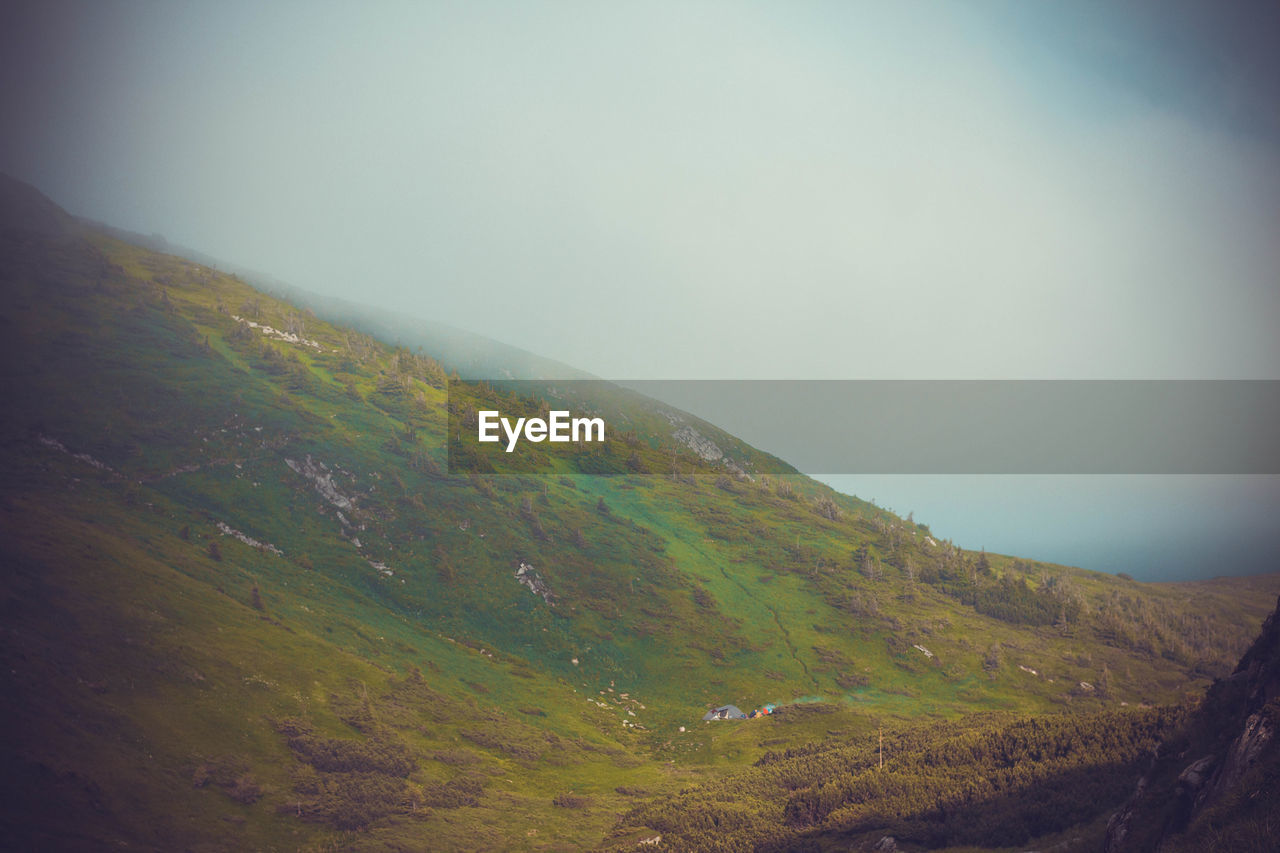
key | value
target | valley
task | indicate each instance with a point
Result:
(248, 604)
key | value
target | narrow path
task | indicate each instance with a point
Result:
(786, 638)
(786, 635)
(718, 563)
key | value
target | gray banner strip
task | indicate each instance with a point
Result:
(995, 427)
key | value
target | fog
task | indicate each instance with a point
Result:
(753, 191)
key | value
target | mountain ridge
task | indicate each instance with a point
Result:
(246, 595)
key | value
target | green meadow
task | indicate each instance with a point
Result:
(249, 605)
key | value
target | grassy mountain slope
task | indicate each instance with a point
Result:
(470, 354)
(246, 606)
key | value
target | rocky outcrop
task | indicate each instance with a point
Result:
(708, 451)
(528, 576)
(1243, 755)
(1215, 764)
(318, 474)
(279, 334)
(382, 568)
(704, 447)
(83, 457)
(228, 530)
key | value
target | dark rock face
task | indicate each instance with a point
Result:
(1223, 759)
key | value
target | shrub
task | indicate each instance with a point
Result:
(571, 801)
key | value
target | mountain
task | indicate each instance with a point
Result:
(26, 213)
(1215, 784)
(248, 604)
(476, 357)
(469, 354)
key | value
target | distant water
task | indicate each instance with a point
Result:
(1153, 527)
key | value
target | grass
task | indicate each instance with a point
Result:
(139, 660)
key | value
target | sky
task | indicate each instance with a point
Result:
(986, 190)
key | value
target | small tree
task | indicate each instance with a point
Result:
(827, 509)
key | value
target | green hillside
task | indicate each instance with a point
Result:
(247, 607)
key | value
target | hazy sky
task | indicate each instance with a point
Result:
(703, 190)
